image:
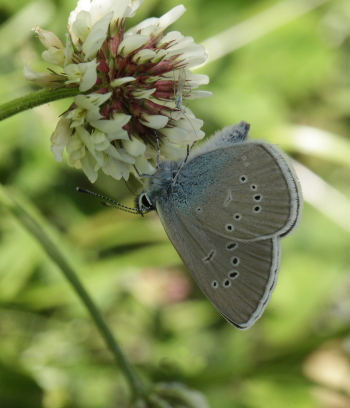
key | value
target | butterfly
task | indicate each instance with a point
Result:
(225, 209)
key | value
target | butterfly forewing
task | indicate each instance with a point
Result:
(237, 278)
(246, 191)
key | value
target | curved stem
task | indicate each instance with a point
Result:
(35, 99)
(35, 229)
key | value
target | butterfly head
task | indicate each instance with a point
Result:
(159, 184)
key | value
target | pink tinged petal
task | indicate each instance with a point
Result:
(60, 137)
(171, 16)
(88, 165)
(143, 94)
(48, 39)
(54, 56)
(111, 126)
(134, 147)
(42, 79)
(132, 43)
(82, 25)
(154, 121)
(121, 81)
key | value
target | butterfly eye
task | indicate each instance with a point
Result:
(145, 202)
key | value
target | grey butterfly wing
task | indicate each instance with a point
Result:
(237, 277)
(246, 191)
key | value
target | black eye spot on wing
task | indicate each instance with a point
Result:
(231, 246)
(233, 274)
(257, 209)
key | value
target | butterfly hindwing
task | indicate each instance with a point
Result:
(246, 191)
(238, 278)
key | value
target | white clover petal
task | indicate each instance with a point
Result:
(42, 79)
(68, 52)
(182, 44)
(84, 74)
(134, 147)
(76, 155)
(74, 143)
(171, 37)
(60, 137)
(143, 94)
(86, 139)
(195, 80)
(144, 56)
(187, 122)
(143, 166)
(138, 28)
(77, 117)
(200, 94)
(98, 137)
(82, 25)
(111, 126)
(48, 39)
(103, 145)
(118, 134)
(121, 81)
(175, 135)
(171, 16)
(88, 165)
(120, 154)
(54, 56)
(96, 37)
(154, 121)
(98, 99)
(132, 43)
(116, 169)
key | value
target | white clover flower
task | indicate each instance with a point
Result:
(129, 84)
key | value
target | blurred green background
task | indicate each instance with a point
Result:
(284, 68)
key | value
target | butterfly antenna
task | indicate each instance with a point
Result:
(116, 204)
(158, 149)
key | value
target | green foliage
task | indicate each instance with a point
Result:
(51, 355)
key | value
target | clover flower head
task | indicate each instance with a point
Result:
(132, 84)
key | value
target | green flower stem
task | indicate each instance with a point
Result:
(35, 99)
(56, 255)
